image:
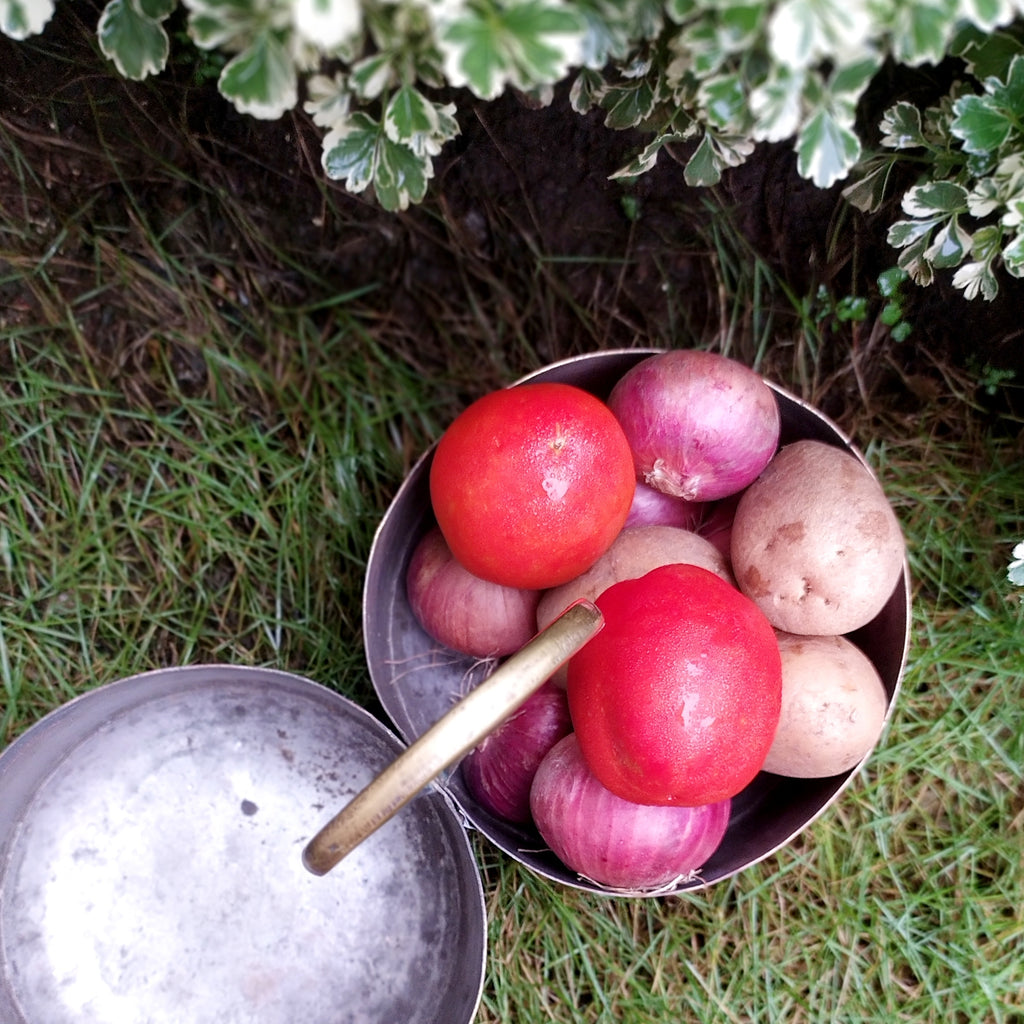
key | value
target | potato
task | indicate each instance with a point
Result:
(833, 707)
(815, 543)
(634, 553)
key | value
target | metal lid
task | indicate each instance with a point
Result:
(151, 837)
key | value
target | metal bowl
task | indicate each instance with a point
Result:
(417, 682)
(151, 834)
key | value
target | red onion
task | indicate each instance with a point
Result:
(716, 525)
(462, 611)
(616, 843)
(500, 771)
(700, 425)
(652, 507)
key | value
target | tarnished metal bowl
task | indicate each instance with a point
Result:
(151, 834)
(417, 682)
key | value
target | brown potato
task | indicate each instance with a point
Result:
(815, 543)
(833, 707)
(634, 553)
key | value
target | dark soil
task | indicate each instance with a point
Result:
(523, 230)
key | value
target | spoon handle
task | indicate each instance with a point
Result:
(452, 736)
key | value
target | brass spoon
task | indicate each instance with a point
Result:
(453, 736)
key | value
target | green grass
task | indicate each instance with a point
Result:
(904, 901)
(198, 438)
(228, 525)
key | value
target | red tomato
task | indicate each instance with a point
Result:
(677, 699)
(531, 484)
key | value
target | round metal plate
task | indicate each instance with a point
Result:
(151, 834)
(417, 681)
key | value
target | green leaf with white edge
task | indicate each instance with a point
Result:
(903, 233)
(921, 32)
(422, 126)
(370, 77)
(135, 42)
(586, 90)
(901, 127)
(328, 100)
(158, 10)
(1009, 95)
(680, 10)
(358, 152)
(328, 23)
(826, 150)
(949, 247)
(802, 33)
(933, 197)
(527, 43)
(605, 39)
(987, 54)
(402, 176)
(911, 259)
(848, 81)
(741, 23)
(979, 124)
(20, 19)
(350, 151)
(987, 243)
(777, 105)
(705, 166)
(715, 153)
(261, 80)
(648, 156)
(975, 279)
(868, 191)
(409, 113)
(629, 105)
(1013, 256)
(225, 24)
(987, 14)
(724, 100)
(1013, 217)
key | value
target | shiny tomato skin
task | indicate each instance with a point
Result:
(677, 699)
(531, 484)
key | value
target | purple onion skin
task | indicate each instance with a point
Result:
(618, 844)
(652, 507)
(462, 611)
(701, 426)
(717, 523)
(499, 772)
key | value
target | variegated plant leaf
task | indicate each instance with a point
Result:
(921, 32)
(20, 19)
(261, 80)
(715, 153)
(359, 152)
(901, 127)
(328, 23)
(488, 46)
(935, 197)
(227, 24)
(974, 279)
(416, 122)
(802, 33)
(328, 99)
(134, 40)
(648, 156)
(777, 105)
(826, 149)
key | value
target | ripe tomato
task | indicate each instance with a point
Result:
(531, 484)
(677, 699)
